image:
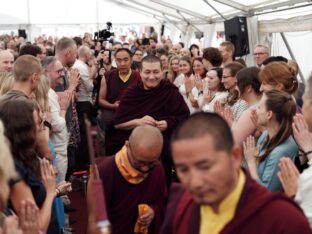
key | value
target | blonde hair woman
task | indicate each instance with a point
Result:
(6, 82)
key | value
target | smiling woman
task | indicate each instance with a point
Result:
(275, 114)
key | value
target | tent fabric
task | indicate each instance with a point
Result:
(266, 18)
(295, 24)
(139, 11)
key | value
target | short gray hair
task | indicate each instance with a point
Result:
(264, 47)
(47, 61)
(63, 44)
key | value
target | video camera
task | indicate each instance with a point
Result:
(105, 34)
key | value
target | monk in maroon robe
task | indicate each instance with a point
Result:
(215, 195)
(152, 101)
(133, 177)
(112, 88)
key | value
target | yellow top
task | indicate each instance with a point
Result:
(125, 78)
(132, 175)
(213, 223)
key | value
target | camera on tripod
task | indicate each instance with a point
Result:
(105, 34)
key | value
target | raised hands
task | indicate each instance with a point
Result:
(228, 115)
(199, 83)
(64, 100)
(189, 84)
(219, 108)
(225, 112)
(74, 78)
(301, 133)
(251, 151)
(28, 217)
(208, 96)
(10, 226)
(288, 176)
(48, 177)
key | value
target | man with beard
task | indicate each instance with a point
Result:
(133, 177)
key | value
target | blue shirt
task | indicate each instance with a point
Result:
(268, 168)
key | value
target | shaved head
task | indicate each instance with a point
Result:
(147, 142)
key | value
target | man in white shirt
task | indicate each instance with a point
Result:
(84, 99)
(84, 93)
(54, 71)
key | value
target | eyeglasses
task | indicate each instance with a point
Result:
(259, 54)
(138, 164)
(224, 77)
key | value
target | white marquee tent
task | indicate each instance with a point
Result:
(276, 23)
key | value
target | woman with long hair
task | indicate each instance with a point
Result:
(23, 123)
(275, 114)
(186, 81)
(248, 84)
(173, 70)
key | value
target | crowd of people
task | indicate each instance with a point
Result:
(189, 140)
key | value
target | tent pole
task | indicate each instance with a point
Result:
(218, 12)
(28, 21)
(97, 15)
(174, 24)
(292, 56)
(188, 22)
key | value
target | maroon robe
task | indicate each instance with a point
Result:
(115, 89)
(258, 211)
(162, 103)
(123, 198)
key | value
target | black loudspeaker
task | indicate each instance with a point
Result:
(22, 33)
(199, 34)
(236, 32)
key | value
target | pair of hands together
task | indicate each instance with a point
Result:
(27, 221)
(224, 111)
(161, 125)
(48, 177)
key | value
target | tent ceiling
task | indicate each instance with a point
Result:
(140, 11)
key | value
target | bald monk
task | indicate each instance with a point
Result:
(132, 177)
(215, 194)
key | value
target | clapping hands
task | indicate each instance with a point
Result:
(251, 151)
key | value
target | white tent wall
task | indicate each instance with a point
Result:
(300, 45)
